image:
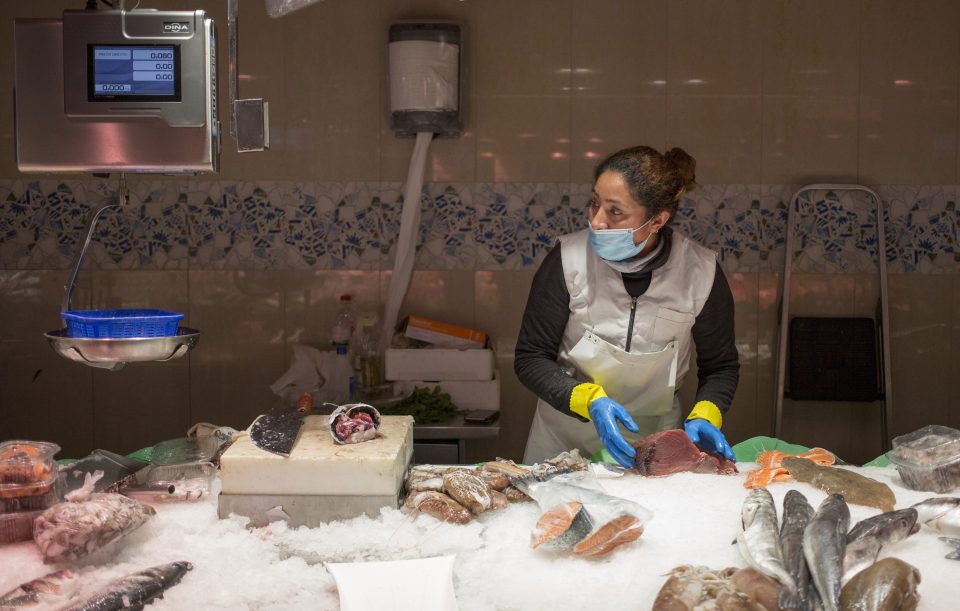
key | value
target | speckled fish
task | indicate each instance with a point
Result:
(760, 540)
(889, 585)
(955, 554)
(824, 541)
(797, 513)
(49, 593)
(941, 514)
(868, 537)
(855, 488)
(136, 590)
(277, 430)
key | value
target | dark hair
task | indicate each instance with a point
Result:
(656, 181)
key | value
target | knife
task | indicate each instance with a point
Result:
(277, 430)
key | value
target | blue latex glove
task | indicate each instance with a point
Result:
(708, 437)
(605, 414)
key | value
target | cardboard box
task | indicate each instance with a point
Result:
(443, 334)
(466, 394)
(433, 364)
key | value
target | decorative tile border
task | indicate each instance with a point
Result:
(195, 224)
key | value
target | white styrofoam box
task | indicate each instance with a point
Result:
(466, 394)
(438, 364)
(319, 466)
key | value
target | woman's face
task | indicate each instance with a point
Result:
(612, 207)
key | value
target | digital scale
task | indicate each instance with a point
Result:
(117, 91)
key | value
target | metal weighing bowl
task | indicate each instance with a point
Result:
(109, 353)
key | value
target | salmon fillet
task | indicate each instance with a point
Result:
(614, 533)
(561, 527)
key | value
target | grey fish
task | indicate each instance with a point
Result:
(824, 541)
(888, 585)
(797, 513)
(136, 590)
(855, 488)
(760, 540)
(868, 537)
(955, 554)
(941, 514)
(277, 430)
(52, 591)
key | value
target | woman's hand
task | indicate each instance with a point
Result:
(708, 437)
(607, 415)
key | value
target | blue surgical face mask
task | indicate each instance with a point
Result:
(617, 244)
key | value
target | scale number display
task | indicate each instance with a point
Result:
(135, 71)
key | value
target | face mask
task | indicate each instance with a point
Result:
(616, 244)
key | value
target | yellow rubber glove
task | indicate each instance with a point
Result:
(582, 396)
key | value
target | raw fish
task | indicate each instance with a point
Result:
(761, 589)
(561, 527)
(772, 470)
(440, 506)
(468, 489)
(955, 554)
(942, 514)
(854, 487)
(48, 593)
(824, 541)
(760, 540)
(672, 451)
(136, 590)
(797, 513)
(616, 532)
(889, 585)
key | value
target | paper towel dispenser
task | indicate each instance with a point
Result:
(117, 91)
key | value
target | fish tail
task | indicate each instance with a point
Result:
(791, 600)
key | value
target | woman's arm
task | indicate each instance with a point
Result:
(718, 364)
(541, 333)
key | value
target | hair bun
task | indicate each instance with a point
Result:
(686, 167)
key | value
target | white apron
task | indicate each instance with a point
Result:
(644, 380)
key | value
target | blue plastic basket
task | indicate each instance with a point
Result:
(121, 323)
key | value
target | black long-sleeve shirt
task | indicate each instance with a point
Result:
(548, 309)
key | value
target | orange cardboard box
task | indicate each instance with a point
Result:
(443, 334)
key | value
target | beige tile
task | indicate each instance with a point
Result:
(909, 50)
(30, 302)
(768, 325)
(704, 58)
(740, 423)
(607, 29)
(447, 296)
(850, 430)
(312, 302)
(604, 124)
(823, 295)
(920, 311)
(523, 139)
(517, 405)
(521, 51)
(809, 139)
(908, 139)
(811, 47)
(448, 159)
(241, 350)
(721, 132)
(163, 290)
(501, 297)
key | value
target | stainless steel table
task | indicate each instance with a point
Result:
(436, 443)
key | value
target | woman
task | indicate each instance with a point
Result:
(613, 313)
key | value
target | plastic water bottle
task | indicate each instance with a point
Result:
(345, 323)
(340, 379)
(367, 361)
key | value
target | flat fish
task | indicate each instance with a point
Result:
(797, 513)
(561, 527)
(48, 593)
(669, 452)
(889, 585)
(824, 542)
(760, 539)
(440, 506)
(854, 487)
(468, 489)
(941, 514)
(71, 530)
(616, 532)
(136, 590)
(955, 554)
(772, 470)
(761, 589)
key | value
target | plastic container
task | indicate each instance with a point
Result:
(345, 324)
(928, 458)
(27, 468)
(117, 324)
(16, 527)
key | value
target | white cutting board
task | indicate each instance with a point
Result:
(319, 466)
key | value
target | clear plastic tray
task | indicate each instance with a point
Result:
(27, 468)
(164, 483)
(928, 459)
(18, 526)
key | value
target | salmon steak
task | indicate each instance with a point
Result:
(616, 532)
(561, 527)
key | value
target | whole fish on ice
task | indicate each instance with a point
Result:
(868, 537)
(824, 543)
(855, 488)
(136, 590)
(888, 585)
(941, 513)
(797, 513)
(86, 521)
(48, 593)
(760, 540)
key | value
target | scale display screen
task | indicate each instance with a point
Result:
(134, 73)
